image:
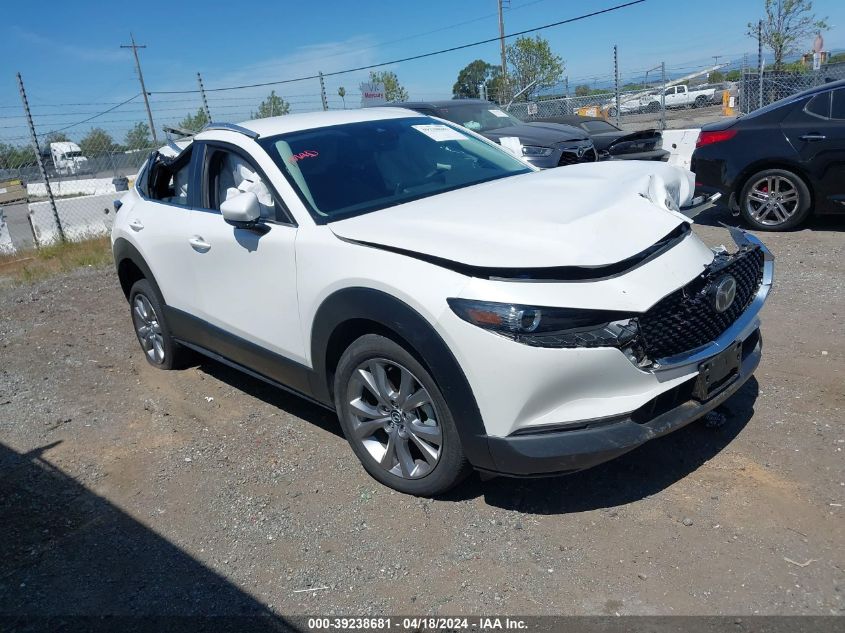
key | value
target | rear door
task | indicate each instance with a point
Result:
(817, 132)
(246, 279)
(160, 223)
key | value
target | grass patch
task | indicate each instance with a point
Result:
(36, 264)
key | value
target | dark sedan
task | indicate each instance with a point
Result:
(779, 164)
(613, 143)
(544, 145)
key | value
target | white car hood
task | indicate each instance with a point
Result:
(583, 215)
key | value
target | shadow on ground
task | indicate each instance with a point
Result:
(631, 477)
(715, 216)
(70, 559)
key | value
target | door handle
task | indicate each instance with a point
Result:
(136, 225)
(199, 244)
(813, 137)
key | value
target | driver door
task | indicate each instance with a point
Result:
(246, 279)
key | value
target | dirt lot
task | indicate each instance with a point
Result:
(129, 490)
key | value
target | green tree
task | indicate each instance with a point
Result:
(733, 75)
(97, 141)
(138, 136)
(341, 92)
(839, 58)
(786, 22)
(393, 90)
(472, 76)
(273, 105)
(56, 137)
(15, 156)
(194, 122)
(532, 61)
(715, 77)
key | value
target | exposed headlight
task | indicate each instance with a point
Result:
(536, 150)
(551, 327)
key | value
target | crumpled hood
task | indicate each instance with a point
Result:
(590, 214)
(543, 134)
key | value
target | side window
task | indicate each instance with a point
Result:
(837, 108)
(819, 105)
(168, 181)
(230, 174)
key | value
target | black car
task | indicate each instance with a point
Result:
(779, 164)
(612, 143)
(544, 145)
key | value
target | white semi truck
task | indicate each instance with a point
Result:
(68, 159)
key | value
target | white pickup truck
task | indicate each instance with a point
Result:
(681, 96)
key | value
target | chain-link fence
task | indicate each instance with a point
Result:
(755, 92)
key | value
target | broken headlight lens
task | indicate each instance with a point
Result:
(550, 327)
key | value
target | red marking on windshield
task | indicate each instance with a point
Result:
(308, 153)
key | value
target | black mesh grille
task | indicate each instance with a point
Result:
(570, 157)
(686, 319)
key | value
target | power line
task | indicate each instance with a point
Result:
(67, 127)
(411, 58)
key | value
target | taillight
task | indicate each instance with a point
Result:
(708, 138)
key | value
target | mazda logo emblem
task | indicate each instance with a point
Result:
(723, 292)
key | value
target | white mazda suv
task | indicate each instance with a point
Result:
(457, 308)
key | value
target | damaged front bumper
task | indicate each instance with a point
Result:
(580, 444)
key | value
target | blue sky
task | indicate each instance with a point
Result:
(69, 55)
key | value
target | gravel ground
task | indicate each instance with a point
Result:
(128, 490)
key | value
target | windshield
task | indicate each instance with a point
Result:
(76, 154)
(350, 169)
(478, 117)
(599, 126)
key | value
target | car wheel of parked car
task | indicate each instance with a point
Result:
(158, 345)
(396, 419)
(654, 106)
(700, 101)
(611, 112)
(775, 200)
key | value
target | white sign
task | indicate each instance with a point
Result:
(532, 109)
(439, 132)
(817, 61)
(499, 114)
(372, 94)
(512, 144)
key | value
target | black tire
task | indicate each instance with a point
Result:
(451, 466)
(700, 101)
(802, 210)
(652, 107)
(173, 355)
(611, 112)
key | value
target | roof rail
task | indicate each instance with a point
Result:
(231, 127)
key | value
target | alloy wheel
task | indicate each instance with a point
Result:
(148, 328)
(394, 418)
(772, 200)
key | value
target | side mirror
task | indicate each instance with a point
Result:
(242, 210)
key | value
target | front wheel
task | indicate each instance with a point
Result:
(774, 200)
(159, 347)
(396, 419)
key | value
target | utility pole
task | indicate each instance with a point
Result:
(502, 46)
(663, 96)
(135, 48)
(715, 59)
(204, 100)
(616, 82)
(40, 160)
(760, 61)
(323, 92)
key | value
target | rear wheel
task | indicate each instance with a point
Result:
(396, 420)
(700, 101)
(654, 106)
(159, 347)
(611, 112)
(774, 200)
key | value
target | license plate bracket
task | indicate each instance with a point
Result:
(718, 372)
